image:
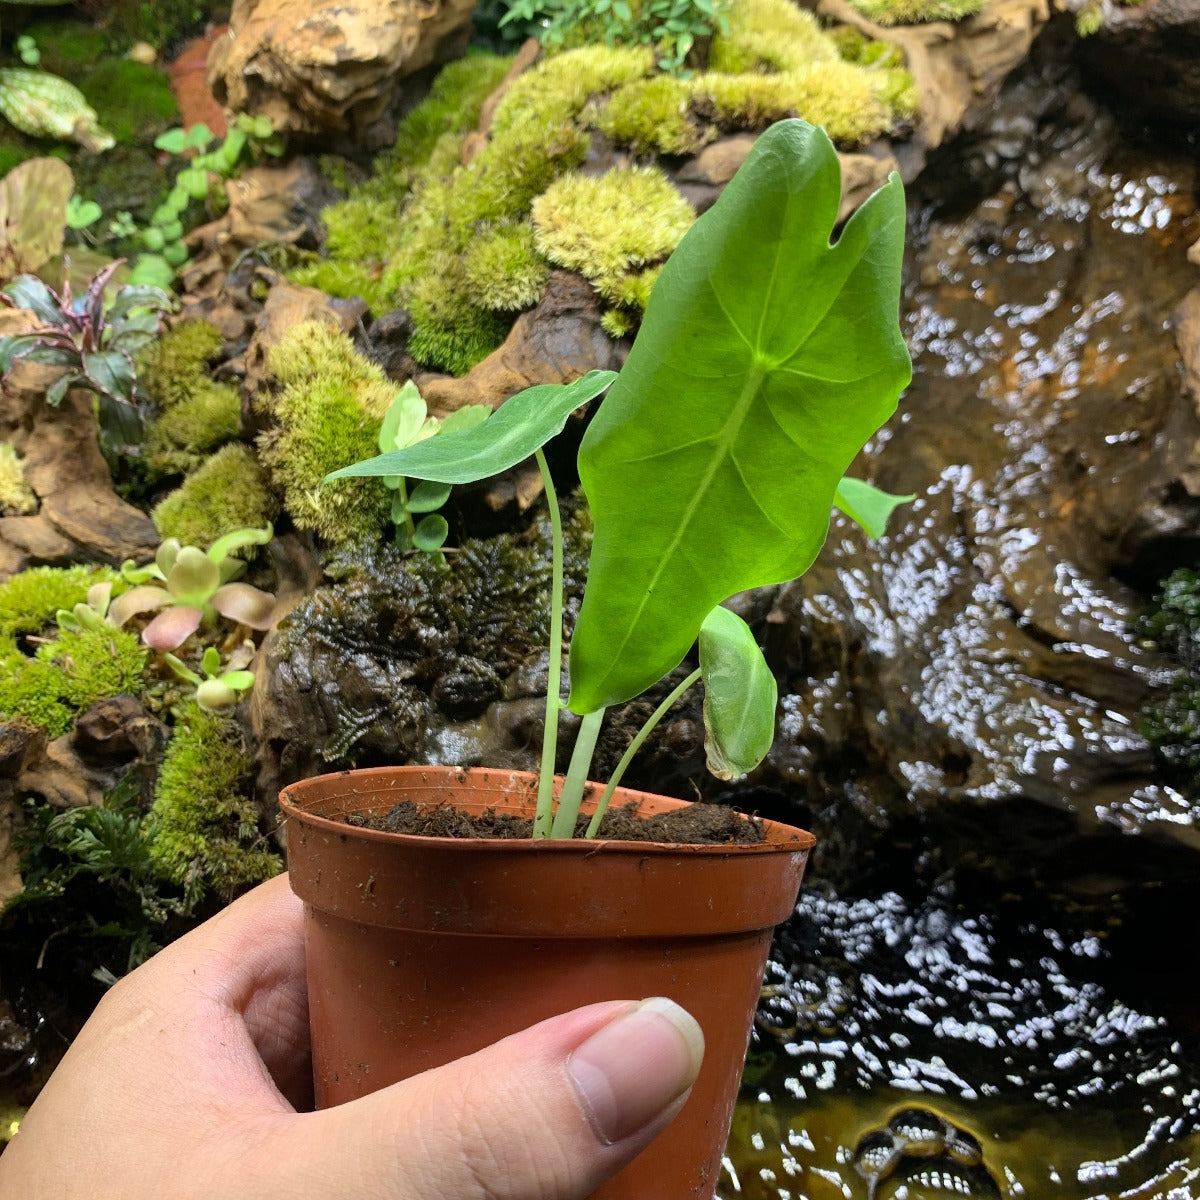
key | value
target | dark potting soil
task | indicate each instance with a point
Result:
(697, 824)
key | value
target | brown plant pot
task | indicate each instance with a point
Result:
(422, 950)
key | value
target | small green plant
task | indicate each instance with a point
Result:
(188, 587)
(27, 50)
(197, 182)
(96, 340)
(407, 422)
(218, 688)
(672, 27)
(767, 358)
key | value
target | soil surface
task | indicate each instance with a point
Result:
(698, 824)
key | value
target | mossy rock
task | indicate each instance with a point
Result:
(449, 241)
(16, 497)
(915, 12)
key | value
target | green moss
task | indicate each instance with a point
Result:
(68, 48)
(652, 115)
(96, 663)
(16, 497)
(68, 673)
(329, 407)
(610, 226)
(913, 12)
(179, 440)
(204, 824)
(134, 101)
(230, 491)
(177, 363)
(32, 689)
(768, 36)
(617, 324)
(29, 600)
(504, 270)
(846, 100)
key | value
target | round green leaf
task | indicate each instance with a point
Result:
(431, 533)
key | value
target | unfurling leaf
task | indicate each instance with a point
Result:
(740, 695)
(867, 505)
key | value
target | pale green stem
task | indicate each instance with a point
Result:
(409, 524)
(646, 730)
(571, 796)
(544, 818)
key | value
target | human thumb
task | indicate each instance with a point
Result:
(547, 1114)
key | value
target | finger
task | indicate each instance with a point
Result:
(547, 1114)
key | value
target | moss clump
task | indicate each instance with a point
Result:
(504, 270)
(329, 407)
(203, 825)
(610, 227)
(914, 12)
(29, 600)
(173, 365)
(16, 496)
(230, 491)
(768, 36)
(67, 674)
(178, 440)
(653, 116)
(134, 101)
(198, 414)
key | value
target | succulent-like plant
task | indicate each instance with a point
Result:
(94, 341)
(218, 689)
(192, 588)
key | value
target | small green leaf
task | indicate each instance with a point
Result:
(194, 181)
(211, 660)
(199, 135)
(403, 419)
(431, 533)
(740, 695)
(399, 509)
(174, 141)
(110, 372)
(868, 506)
(175, 254)
(511, 434)
(240, 681)
(428, 497)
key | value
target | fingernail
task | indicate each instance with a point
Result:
(636, 1066)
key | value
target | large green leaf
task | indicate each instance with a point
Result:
(522, 424)
(766, 359)
(740, 695)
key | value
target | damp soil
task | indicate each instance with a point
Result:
(698, 824)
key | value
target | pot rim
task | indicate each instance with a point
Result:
(778, 836)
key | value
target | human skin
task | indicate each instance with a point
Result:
(192, 1081)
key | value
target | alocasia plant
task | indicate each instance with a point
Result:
(767, 357)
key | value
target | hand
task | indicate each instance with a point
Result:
(191, 1079)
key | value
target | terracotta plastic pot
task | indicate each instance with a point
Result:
(421, 950)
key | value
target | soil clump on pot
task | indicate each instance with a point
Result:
(698, 824)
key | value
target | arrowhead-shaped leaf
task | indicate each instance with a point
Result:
(739, 695)
(867, 505)
(522, 424)
(766, 359)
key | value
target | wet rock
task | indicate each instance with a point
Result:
(1146, 58)
(982, 656)
(330, 67)
(556, 342)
